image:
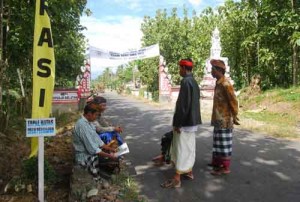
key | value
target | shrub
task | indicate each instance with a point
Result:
(30, 171)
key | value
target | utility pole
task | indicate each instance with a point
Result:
(295, 57)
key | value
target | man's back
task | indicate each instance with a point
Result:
(188, 105)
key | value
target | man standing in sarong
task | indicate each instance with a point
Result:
(224, 116)
(185, 125)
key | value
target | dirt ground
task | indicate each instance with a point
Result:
(58, 152)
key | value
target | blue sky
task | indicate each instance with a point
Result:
(115, 24)
(139, 8)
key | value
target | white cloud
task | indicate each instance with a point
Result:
(115, 33)
(195, 2)
(131, 4)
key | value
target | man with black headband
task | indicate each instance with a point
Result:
(185, 125)
(224, 116)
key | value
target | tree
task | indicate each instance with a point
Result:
(17, 45)
(178, 38)
(295, 41)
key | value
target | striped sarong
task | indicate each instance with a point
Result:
(92, 165)
(222, 142)
(99, 166)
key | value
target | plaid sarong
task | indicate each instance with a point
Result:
(100, 167)
(92, 165)
(222, 142)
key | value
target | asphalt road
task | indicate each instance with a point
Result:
(264, 169)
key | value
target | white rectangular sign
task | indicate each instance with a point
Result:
(65, 96)
(147, 52)
(40, 127)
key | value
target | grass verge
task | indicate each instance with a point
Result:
(275, 112)
(269, 124)
(129, 187)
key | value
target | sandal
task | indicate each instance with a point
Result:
(171, 183)
(188, 176)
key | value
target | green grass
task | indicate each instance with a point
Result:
(129, 188)
(283, 119)
(290, 95)
(273, 124)
(65, 118)
(276, 95)
(273, 120)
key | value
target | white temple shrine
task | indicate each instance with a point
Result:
(208, 83)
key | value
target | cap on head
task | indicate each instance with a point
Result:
(218, 63)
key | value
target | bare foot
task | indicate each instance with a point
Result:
(158, 158)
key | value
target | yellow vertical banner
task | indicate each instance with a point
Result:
(43, 67)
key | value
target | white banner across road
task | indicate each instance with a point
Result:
(147, 52)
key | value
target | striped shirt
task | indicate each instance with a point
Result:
(86, 142)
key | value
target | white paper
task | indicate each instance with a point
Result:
(123, 149)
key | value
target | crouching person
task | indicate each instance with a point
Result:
(90, 150)
(165, 156)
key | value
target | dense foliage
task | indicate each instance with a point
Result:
(68, 41)
(16, 45)
(260, 37)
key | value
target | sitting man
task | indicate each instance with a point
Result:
(90, 150)
(108, 134)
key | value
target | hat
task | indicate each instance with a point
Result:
(99, 100)
(218, 63)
